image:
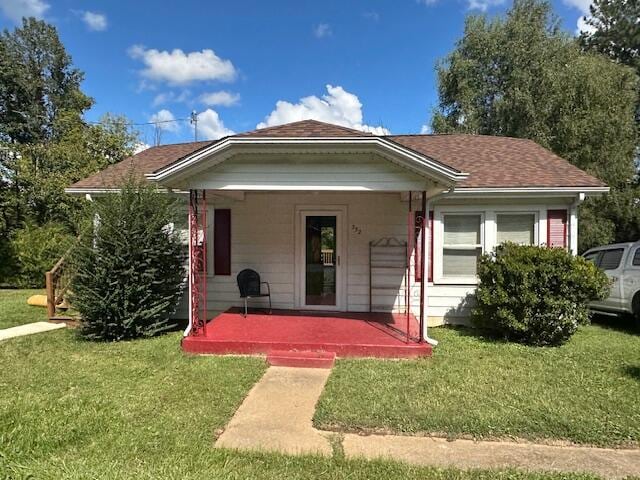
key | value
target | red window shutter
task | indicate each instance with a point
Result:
(557, 228)
(418, 248)
(222, 241)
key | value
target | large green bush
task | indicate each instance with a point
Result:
(130, 273)
(35, 250)
(536, 295)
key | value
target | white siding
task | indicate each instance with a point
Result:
(355, 171)
(263, 236)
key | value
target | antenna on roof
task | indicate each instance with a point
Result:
(194, 122)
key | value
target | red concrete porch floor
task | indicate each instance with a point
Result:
(345, 334)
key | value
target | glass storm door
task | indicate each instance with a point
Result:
(321, 260)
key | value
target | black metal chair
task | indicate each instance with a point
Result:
(250, 287)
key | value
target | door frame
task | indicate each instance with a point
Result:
(340, 212)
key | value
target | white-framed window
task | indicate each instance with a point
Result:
(517, 227)
(462, 245)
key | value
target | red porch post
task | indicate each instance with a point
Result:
(197, 263)
(407, 294)
(423, 257)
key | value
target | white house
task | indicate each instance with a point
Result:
(331, 217)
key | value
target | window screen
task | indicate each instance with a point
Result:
(517, 228)
(462, 245)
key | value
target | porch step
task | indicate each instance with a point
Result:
(303, 359)
(63, 319)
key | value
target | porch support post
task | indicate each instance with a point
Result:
(423, 257)
(407, 293)
(197, 264)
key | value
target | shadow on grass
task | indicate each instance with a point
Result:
(623, 323)
(632, 371)
(480, 334)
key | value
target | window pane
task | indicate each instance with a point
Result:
(460, 263)
(611, 259)
(516, 228)
(636, 258)
(592, 257)
(462, 229)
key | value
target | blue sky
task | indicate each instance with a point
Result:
(368, 64)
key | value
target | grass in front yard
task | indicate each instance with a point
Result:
(15, 311)
(71, 409)
(585, 392)
(76, 410)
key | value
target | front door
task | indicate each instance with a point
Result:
(320, 260)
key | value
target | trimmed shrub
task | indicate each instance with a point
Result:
(536, 295)
(36, 250)
(130, 274)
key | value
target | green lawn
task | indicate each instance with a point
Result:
(15, 311)
(587, 391)
(70, 409)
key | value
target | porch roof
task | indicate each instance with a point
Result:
(491, 163)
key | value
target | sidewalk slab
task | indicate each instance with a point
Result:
(276, 415)
(29, 329)
(469, 454)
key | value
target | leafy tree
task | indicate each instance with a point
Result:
(129, 271)
(38, 83)
(45, 169)
(45, 144)
(521, 76)
(36, 250)
(615, 30)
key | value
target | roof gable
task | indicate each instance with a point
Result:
(305, 128)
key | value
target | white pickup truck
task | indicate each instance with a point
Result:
(621, 263)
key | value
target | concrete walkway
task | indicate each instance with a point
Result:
(29, 329)
(277, 413)
(467, 454)
(277, 416)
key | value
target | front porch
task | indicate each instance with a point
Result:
(343, 334)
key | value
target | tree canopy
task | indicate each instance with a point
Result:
(522, 76)
(45, 143)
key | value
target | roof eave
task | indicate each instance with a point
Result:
(424, 164)
(529, 191)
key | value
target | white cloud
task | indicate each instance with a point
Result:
(373, 16)
(166, 120)
(211, 126)
(95, 21)
(171, 97)
(426, 129)
(338, 107)
(139, 147)
(483, 5)
(225, 99)
(179, 68)
(322, 30)
(16, 9)
(583, 26)
(582, 5)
